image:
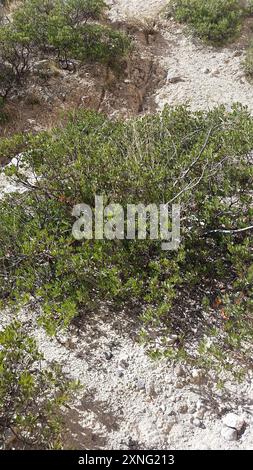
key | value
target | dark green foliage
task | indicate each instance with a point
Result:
(63, 26)
(216, 21)
(201, 160)
(15, 50)
(31, 396)
(10, 146)
(60, 28)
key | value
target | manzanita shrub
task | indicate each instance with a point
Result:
(202, 160)
(215, 21)
(65, 29)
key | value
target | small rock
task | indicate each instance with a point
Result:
(169, 424)
(200, 409)
(196, 422)
(170, 412)
(173, 399)
(123, 362)
(229, 434)
(162, 408)
(232, 420)
(172, 340)
(179, 371)
(215, 73)
(192, 408)
(38, 128)
(199, 405)
(120, 373)
(175, 79)
(150, 389)
(9, 437)
(141, 385)
(108, 355)
(206, 70)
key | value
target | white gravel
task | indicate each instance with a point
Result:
(144, 404)
(207, 77)
(130, 401)
(125, 9)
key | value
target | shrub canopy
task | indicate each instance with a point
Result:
(215, 21)
(200, 160)
(65, 29)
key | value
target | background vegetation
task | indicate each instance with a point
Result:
(68, 30)
(215, 21)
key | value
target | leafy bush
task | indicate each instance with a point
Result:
(15, 50)
(60, 28)
(215, 21)
(10, 146)
(63, 26)
(198, 159)
(31, 396)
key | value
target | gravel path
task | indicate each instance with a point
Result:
(125, 9)
(202, 76)
(132, 402)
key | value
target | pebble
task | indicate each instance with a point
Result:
(179, 371)
(141, 384)
(123, 362)
(172, 340)
(162, 408)
(229, 434)
(120, 373)
(175, 79)
(215, 73)
(196, 422)
(9, 437)
(108, 355)
(169, 424)
(179, 384)
(237, 53)
(232, 420)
